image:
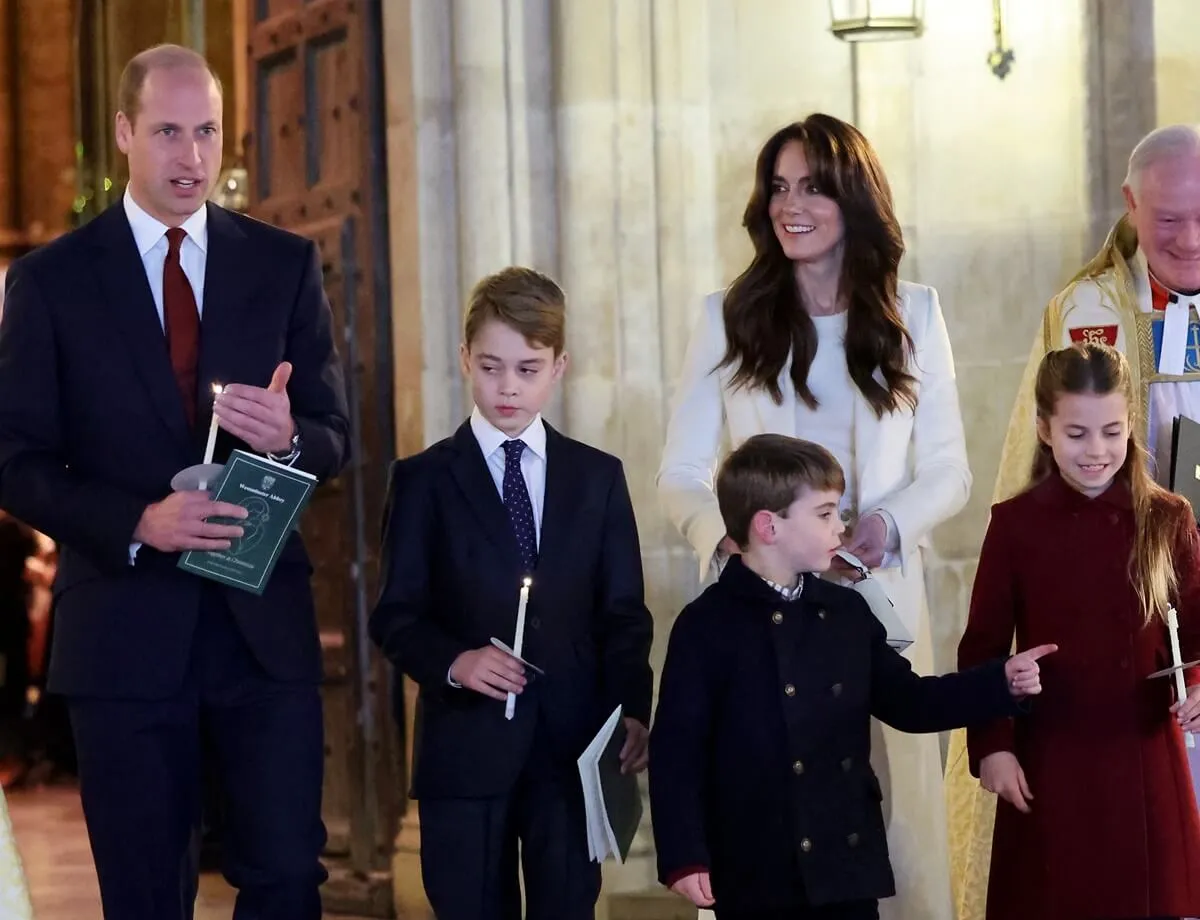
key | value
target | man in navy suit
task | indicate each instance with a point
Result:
(505, 498)
(111, 340)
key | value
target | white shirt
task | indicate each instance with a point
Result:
(150, 235)
(533, 459)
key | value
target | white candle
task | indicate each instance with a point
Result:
(212, 428)
(510, 704)
(1176, 661)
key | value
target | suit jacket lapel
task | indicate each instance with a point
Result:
(127, 295)
(475, 480)
(562, 492)
(227, 284)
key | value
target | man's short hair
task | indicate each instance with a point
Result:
(767, 473)
(1161, 144)
(160, 57)
(524, 300)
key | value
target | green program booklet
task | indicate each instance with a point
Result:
(273, 495)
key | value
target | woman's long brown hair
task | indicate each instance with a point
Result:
(1101, 370)
(765, 319)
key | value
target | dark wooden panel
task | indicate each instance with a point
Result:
(279, 127)
(314, 152)
(332, 152)
(11, 232)
(267, 9)
(45, 116)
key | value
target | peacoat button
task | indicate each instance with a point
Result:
(790, 689)
(777, 618)
(798, 767)
(836, 689)
(847, 763)
(852, 840)
(806, 845)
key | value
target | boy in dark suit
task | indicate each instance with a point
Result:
(469, 519)
(764, 802)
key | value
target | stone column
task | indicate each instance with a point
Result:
(629, 145)
(1177, 70)
(1121, 101)
(424, 266)
(485, 161)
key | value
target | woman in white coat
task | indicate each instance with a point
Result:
(818, 339)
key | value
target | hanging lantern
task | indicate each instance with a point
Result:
(875, 20)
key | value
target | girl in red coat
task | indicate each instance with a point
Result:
(1097, 818)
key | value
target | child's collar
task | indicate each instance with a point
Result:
(1058, 491)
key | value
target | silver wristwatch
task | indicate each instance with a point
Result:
(293, 453)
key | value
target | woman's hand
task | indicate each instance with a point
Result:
(869, 540)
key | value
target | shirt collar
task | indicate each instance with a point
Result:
(789, 594)
(1160, 294)
(147, 230)
(490, 437)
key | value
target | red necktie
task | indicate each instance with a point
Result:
(181, 320)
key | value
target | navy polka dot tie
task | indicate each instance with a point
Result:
(520, 508)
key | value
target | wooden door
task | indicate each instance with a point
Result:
(315, 155)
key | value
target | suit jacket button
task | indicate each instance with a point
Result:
(798, 767)
(806, 845)
(790, 690)
(821, 613)
(777, 618)
(836, 689)
(535, 623)
(852, 840)
(847, 763)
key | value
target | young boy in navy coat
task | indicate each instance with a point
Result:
(469, 519)
(764, 803)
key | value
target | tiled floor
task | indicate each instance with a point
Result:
(53, 842)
